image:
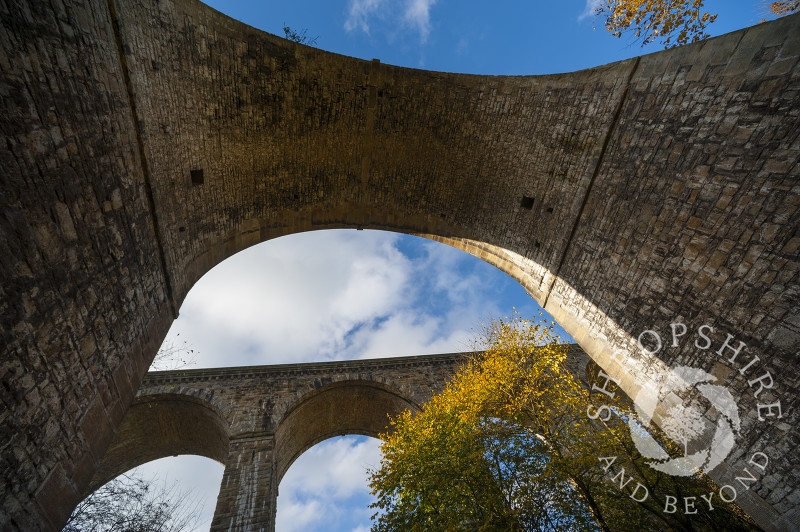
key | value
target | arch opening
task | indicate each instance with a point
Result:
(163, 425)
(602, 337)
(175, 493)
(339, 294)
(341, 408)
(326, 488)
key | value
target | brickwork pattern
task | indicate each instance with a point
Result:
(82, 296)
(146, 142)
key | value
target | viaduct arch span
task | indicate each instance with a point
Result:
(145, 142)
(257, 420)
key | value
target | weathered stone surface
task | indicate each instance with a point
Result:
(145, 142)
(83, 295)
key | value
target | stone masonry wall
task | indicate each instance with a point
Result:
(290, 138)
(82, 291)
(144, 142)
(693, 217)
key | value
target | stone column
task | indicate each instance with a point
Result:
(248, 493)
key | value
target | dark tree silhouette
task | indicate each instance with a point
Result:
(130, 503)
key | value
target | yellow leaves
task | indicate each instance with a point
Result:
(650, 20)
(509, 440)
(784, 7)
(494, 418)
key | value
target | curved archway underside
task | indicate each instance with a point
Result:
(168, 137)
(354, 407)
(157, 426)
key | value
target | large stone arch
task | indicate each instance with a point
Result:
(337, 409)
(160, 425)
(144, 143)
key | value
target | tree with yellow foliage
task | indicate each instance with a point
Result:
(509, 446)
(784, 7)
(674, 22)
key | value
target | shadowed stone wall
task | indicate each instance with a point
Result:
(145, 142)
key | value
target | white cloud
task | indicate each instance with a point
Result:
(359, 13)
(202, 476)
(413, 14)
(335, 295)
(417, 14)
(297, 515)
(591, 7)
(344, 462)
(294, 298)
(325, 489)
(340, 294)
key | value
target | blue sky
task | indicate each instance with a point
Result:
(514, 37)
(361, 294)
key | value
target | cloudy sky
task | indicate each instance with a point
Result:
(335, 295)
(340, 295)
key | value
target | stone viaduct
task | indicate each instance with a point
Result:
(144, 142)
(258, 420)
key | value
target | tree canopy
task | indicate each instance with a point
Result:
(673, 22)
(510, 445)
(784, 7)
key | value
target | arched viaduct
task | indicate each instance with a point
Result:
(145, 142)
(258, 420)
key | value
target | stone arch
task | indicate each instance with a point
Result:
(340, 408)
(642, 192)
(161, 425)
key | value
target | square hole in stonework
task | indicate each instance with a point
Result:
(197, 176)
(526, 202)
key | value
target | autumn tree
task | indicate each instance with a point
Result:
(784, 7)
(509, 446)
(672, 22)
